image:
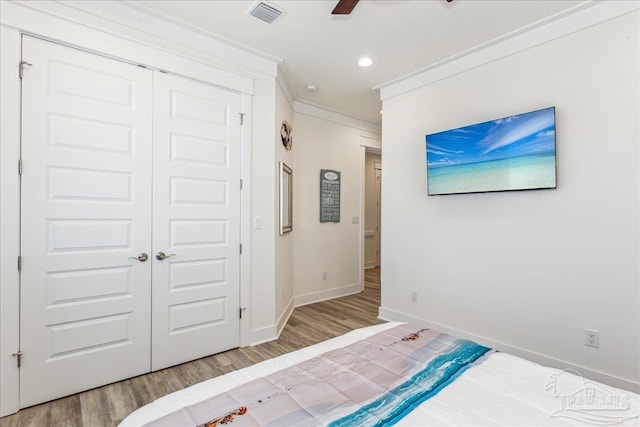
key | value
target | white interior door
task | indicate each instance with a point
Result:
(196, 220)
(86, 209)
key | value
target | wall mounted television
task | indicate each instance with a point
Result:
(507, 154)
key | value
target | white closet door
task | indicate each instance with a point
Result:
(196, 194)
(86, 209)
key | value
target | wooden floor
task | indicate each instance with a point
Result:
(108, 405)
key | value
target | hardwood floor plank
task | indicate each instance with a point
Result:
(109, 405)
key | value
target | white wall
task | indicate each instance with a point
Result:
(284, 243)
(527, 271)
(261, 309)
(325, 247)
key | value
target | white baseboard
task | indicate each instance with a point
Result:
(324, 295)
(262, 335)
(284, 317)
(272, 332)
(603, 377)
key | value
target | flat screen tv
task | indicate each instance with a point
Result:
(512, 153)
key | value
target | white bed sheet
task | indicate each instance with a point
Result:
(502, 390)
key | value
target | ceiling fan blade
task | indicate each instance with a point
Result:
(344, 7)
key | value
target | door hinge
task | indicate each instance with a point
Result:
(241, 119)
(21, 69)
(19, 263)
(241, 183)
(19, 356)
(20, 167)
(240, 248)
(241, 310)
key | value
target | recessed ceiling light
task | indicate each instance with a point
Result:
(365, 61)
(311, 88)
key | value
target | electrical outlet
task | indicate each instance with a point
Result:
(591, 338)
(414, 296)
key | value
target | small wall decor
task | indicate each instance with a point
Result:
(329, 196)
(286, 198)
(285, 133)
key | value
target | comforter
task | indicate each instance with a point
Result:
(383, 375)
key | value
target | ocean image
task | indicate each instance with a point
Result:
(513, 153)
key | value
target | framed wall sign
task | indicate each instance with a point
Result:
(329, 196)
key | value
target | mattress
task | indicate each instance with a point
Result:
(410, 376)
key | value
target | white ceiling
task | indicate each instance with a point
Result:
(402, 36)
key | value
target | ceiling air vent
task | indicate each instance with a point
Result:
(267, 12)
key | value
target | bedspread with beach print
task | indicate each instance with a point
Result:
(373, 382)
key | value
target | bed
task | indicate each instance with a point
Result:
(393, 373)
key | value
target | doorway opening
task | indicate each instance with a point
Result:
(372, 204)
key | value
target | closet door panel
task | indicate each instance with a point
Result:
(196, 220)
(86, 210)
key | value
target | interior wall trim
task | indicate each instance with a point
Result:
(284, 317)
(9, 219)
(583, 15)
(60, 23)
(320, 112)
(543, 359)
(283, 82)
(326, 294)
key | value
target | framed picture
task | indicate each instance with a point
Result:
(286, 198)
(507, 154)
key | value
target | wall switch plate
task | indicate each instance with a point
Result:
(414, 296)
(355, 220)
(324, 275)
(257, 222)
(591, 338)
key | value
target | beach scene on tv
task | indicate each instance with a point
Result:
(512, 153)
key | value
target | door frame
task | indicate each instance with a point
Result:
(367, 145)
(377, 177)
(10, 48)
(19, 19)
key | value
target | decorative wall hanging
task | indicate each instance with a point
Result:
(285, 133)
(286, 198)
(512, 153)
(329, 196)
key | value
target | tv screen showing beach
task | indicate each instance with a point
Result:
(512, 153)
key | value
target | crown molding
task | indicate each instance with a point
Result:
(133, 22)
(283, 82)
(324, 113)
(583, 15)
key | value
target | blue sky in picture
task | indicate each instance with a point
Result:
(516, 136)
